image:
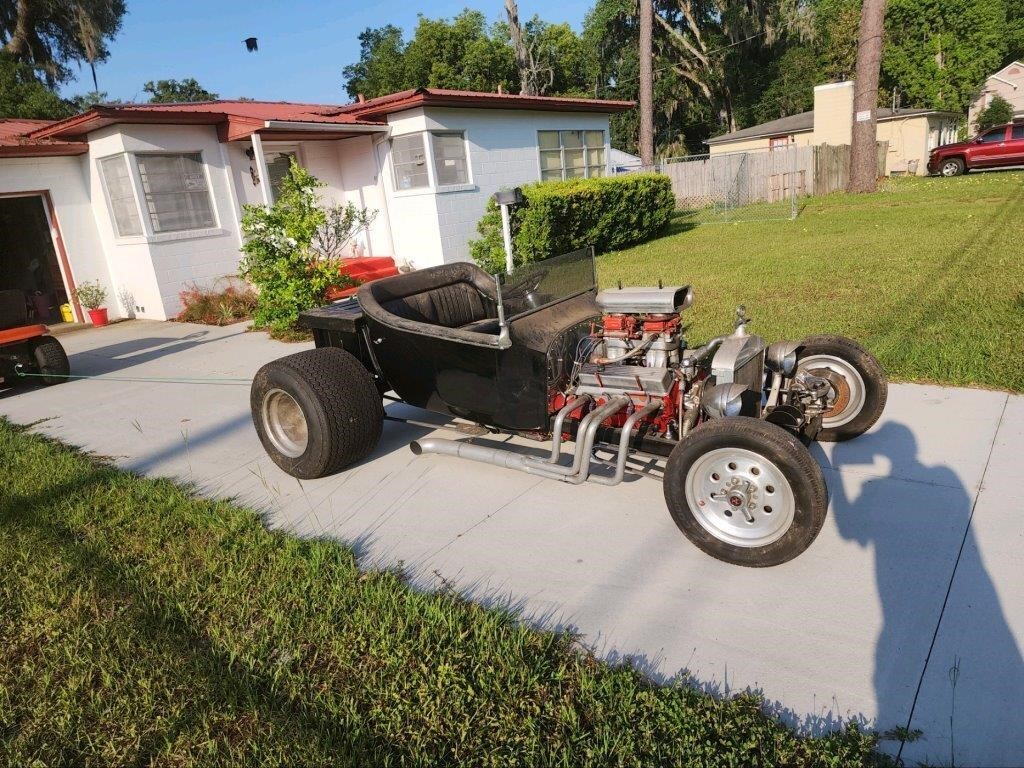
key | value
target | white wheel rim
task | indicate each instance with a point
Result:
(740, 497)
(950, 169)
(284, 423)
(843, 406)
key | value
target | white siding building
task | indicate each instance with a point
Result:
(147, 199)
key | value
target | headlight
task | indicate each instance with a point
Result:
(781, 357)
(723, 400)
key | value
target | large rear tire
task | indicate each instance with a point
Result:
(746, 491)
(51, 360)
(316, 412)
(859, 387)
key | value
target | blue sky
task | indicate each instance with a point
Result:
(303, 44)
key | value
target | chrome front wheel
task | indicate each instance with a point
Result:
(740, 497)
(746, 491)
(847, 391)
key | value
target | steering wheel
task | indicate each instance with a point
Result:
(526, 290)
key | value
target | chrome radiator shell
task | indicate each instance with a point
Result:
(740, 360)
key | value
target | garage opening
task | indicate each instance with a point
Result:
(28, 260)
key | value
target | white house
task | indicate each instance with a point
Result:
(147, 198)
(1008, 82)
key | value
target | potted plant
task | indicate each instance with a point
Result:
(91, 296)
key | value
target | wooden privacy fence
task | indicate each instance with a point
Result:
(737, 179)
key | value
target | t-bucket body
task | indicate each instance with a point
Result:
(434, 337)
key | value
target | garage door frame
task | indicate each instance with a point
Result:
(58, 244)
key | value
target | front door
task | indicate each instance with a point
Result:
(988, 148)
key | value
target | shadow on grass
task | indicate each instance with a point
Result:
(232, 685)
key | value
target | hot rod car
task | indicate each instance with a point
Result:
(542, 354)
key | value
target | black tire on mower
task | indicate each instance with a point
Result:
(51, 360)
(340, 408)
(761, 456)
(872, 378)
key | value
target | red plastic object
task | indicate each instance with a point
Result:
(22, 333)
(363, 269)
(98, 316)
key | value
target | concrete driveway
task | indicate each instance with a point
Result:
(908, 608)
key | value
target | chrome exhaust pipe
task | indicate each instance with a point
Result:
(499, 457)
(556, 432)
(585, 432)
(627, 431)
(533, 465)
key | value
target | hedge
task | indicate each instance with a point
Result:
(559, 216)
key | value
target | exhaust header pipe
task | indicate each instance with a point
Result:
(578, 472)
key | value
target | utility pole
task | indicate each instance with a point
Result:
(646, 85)
(863, 151)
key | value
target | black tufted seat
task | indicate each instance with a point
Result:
(454, 301)
(456, 305)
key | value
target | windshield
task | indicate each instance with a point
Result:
(546, 282)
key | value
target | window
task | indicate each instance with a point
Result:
(278, 164)
(450, 165)
(571, 154)
(410, 162)
(778, 142)
(118, 183)
(1018, 131)
(174, 189)
(993, 136)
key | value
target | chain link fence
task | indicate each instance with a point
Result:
(739, 186)
(755, 186)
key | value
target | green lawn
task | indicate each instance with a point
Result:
(144, 626)
(928, 274)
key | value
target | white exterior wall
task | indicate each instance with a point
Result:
(349, 169)
(65, 180)
(431, 226)
(155, 268)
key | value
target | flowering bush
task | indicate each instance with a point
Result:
(292, 249)
(213, 306)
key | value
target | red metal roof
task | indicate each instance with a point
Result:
(440, 97)
(236, 119)
(15, 143)
(239, 119)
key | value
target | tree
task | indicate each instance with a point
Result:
(938, 52)
(863, 154)
(23, 95)
(998, 111)
(177, 91)
(646, 83)
(381, 66)
(49, 35)
(525, 64)
(84, 101)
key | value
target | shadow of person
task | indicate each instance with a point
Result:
(916, 518)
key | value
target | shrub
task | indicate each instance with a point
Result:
(211, 306)
(560, 216)
(90, 295)
(292, 249)
(998, 111)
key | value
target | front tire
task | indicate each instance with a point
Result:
(952, 166)
(746, 491)
(859, 387)
(51, 360)
(316, 412)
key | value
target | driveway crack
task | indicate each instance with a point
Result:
(952, 575)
